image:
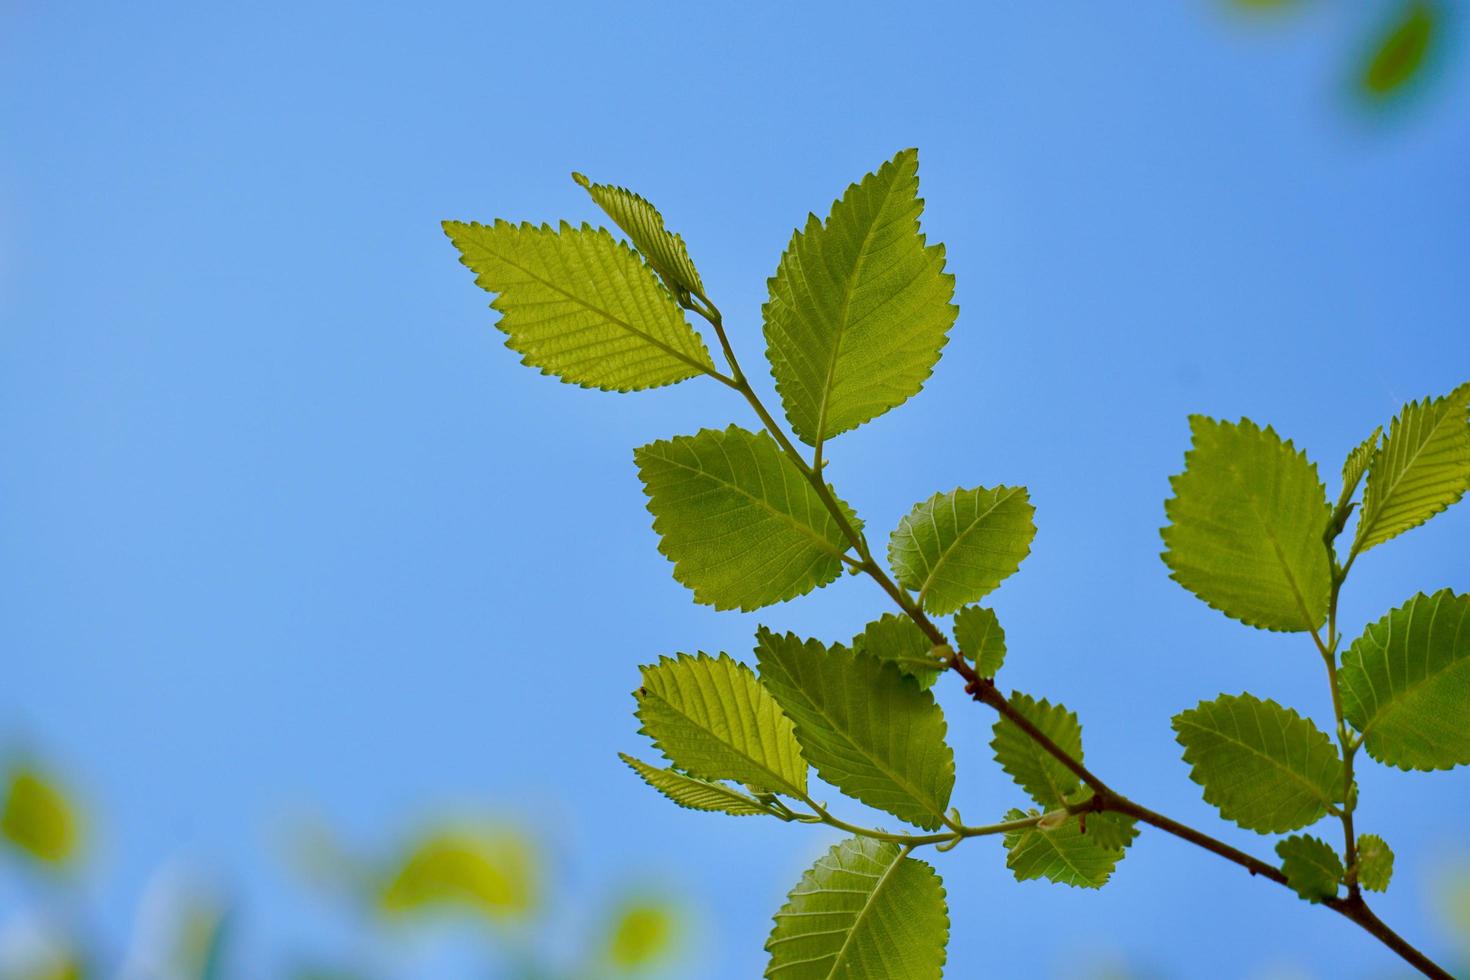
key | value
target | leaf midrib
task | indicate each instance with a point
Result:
(702, 367)
(1276, 548)
(1368, 527)
(1325, 798)
(872, 899)
(914, 792)
(945, 553)
(779, 779)
(810, 532)
(841, 331)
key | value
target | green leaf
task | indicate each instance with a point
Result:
(1401, 53)
(1266, 767)
(1246, 523)
(1421, 469)
(1312, 867)
(642, 223)
(977, 630)
(1044, 779)
(1375, 862)
(859, 307)
(1356, 465)
(696, 794)
(1406, 683)
(899, 640)
(1109, 830)
(869, 730)
(580, 305)
(864, 911)
(37, 818)
(1063, 854)
(711, 717)
(492, 873)
(741, 524)
(955, 547)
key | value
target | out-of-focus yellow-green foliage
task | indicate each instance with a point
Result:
(37, 817)
(644, 932)
(493, 873)
(1264, 4)
(1399, 56)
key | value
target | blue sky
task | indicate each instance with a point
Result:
(284, 527)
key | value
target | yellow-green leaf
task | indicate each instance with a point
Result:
(693, 793)
(864, 911)
(978, 632)
(898, 639)
(741, 524)
(1266, 767)
(1064, 854)
(1406, 684)
(1375, 862)
(579, 304)
(643, 224)
(868, 729)
(956, 547)
(1035, 770)
(859, 306)
(1246, 523)
(1312, 867)
(1422, 468)
(713, 719)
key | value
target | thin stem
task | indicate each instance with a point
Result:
(955, 834)
(984, 691)
(1344, 739)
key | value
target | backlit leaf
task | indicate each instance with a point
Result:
(864, 911)
(898, 639)
(978, 632)
(1063, 854)
(859, 306)
(1356, 465)
(741, 524)
(869, 730)
(696, 794)
(1035, 770)
(1266, 767)
(1375, 862)
(1246, 523)
(580, 305)
(1422, 468)
(956, 547)
(1406, 684)
(1312, 867)
(644, 226)
(711, 717)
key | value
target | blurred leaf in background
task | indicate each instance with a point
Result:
(644, 932)
(491, 872)
(1399, 53)
(181, 929)
(37, 817)
(1253, 5)
(35, 949)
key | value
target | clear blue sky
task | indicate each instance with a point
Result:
(283, 525)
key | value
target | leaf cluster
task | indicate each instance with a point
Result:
(858, 313)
